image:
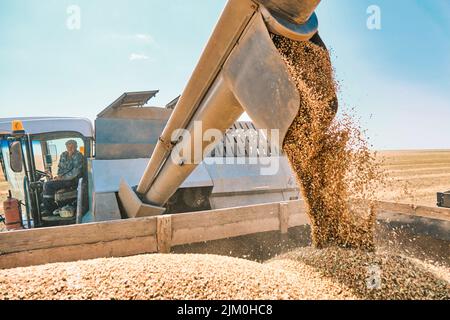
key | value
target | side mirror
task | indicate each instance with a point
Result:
(16, 157)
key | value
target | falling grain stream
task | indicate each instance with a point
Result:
(330, 156)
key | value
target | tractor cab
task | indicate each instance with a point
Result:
(30, 154)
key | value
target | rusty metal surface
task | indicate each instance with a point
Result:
(298, 32)
(298, 11)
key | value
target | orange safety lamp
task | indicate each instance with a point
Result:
(17, 127)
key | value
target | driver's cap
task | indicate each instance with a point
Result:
(72, 142)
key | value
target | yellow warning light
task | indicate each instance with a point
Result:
(17, 126)
(82, 150)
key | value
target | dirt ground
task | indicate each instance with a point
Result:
(416, 176)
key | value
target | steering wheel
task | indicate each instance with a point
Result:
(43, 174)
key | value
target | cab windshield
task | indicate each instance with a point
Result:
(47, 153)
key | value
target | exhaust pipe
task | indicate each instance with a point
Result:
(239, 71)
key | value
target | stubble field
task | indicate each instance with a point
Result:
(415, 176)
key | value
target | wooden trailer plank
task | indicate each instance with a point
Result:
(227, 223)
(224, 216)
(284, 217)
(164, 233)
(117, 248)
(159, 234)
(413, 210)
(297, 214)
(74, 235)
(223, 231)
(299, 219)
(434, 213)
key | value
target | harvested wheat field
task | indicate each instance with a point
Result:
(305, 273)
(415, 176)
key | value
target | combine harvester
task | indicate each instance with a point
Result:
(177, 200)
(126, 134)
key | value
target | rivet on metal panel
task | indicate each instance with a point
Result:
(168, 145)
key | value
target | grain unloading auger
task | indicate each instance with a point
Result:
(239, 71)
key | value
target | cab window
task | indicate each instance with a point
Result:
(38, 156)
(55, 148)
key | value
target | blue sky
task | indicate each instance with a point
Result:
(397, 78)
